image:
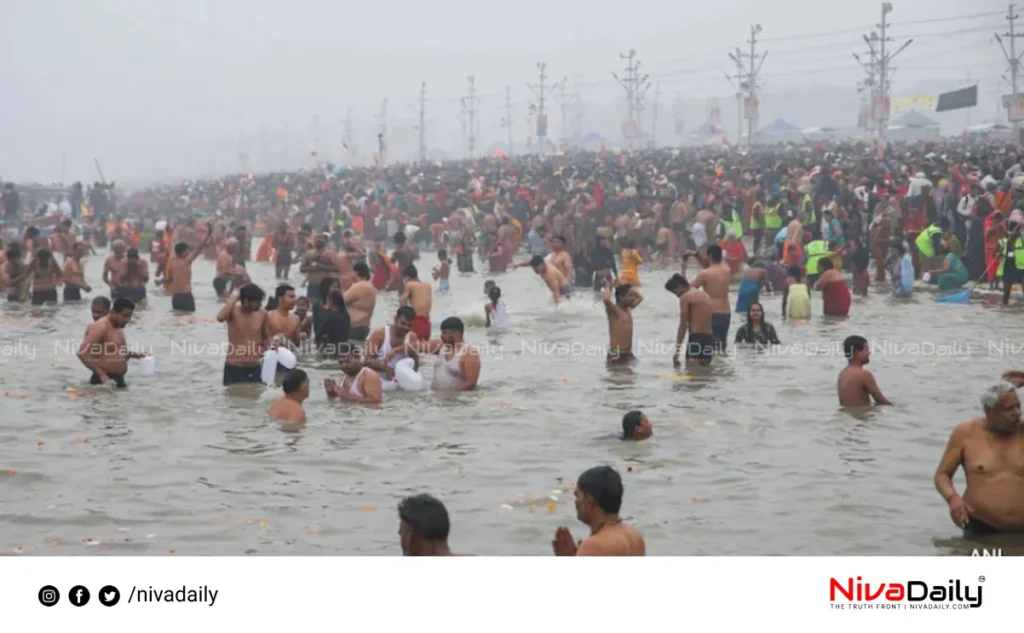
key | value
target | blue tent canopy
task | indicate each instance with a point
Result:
(779, 126)
(593, 137)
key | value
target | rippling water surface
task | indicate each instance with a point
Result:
(751, 457)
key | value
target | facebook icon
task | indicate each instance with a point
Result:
(79, 596)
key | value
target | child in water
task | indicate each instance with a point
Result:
(441, 272)
(495, 310)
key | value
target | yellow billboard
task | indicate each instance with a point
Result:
(922, 102)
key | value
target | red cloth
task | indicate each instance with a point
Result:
(421, 327)
(836, 299)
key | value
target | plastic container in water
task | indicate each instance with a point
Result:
(407, 377)
(145, 366)
(269, 371)
(286, 358)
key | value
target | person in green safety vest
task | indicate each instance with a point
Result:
(810, 218)
(730, 222)
(772, 218)
(815, 251)
(928, 243)
(1013, 260)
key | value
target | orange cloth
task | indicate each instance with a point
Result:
(266, 247)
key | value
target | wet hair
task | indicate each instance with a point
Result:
(714, 251)
(281, 290)
(794, 272)
(406, 312)
(750, 319)
(426, 517)
(825, 264)
(410, 272)
(899, 247)
(536, 260)
(132, 253)
(399, 238)
(102, 301)
(559, 238)
(622, 291)
(630, 423)
(325, 285)
(122, 303)
(337, 300)
(854, 344)
(294, 380)
(180, 249)
(991, 397)
(676, 281)
(361, 270)
(494, 293)
(442, 254)
(251, 292)
(454, 324)
(490, 283)
(604, 486)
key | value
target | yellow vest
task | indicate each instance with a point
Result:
(1018, 256)
(754, 222)
(924, 241)
(735, 224)
(808, 208)
(815, 251)
(1001, 254)
(772, 220)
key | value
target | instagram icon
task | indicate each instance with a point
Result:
(49, 596)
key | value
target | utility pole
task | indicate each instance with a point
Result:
(1014, 110)
(654, 119)
(870, 83)
(507, 122)
(542, 118)
(469, 104)
(316, 138)
(563, 102)
(383, 125)
(756, 61)
(739, 84)
(885, 71)
(635, 87)
(423, 126)
(346, 142)
(578, 110)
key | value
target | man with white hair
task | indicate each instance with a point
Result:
(991, 453)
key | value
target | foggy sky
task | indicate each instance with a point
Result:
(161, 89)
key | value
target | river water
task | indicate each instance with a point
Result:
(750, 457)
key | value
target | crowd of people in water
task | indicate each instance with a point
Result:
(829, 219)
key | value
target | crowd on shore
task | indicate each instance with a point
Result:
(795, 219)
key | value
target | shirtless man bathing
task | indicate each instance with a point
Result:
(553, 278)
(104, 350)
(598, 501)
(248, 335)
(419, 296)
(856, 385)
(288, 408)
(715, 280)
(991, 450)
(178, 280)
(229, 274)
(360, 300)
(620, 321)
(695, 310)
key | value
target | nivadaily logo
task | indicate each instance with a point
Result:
(913, 594)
